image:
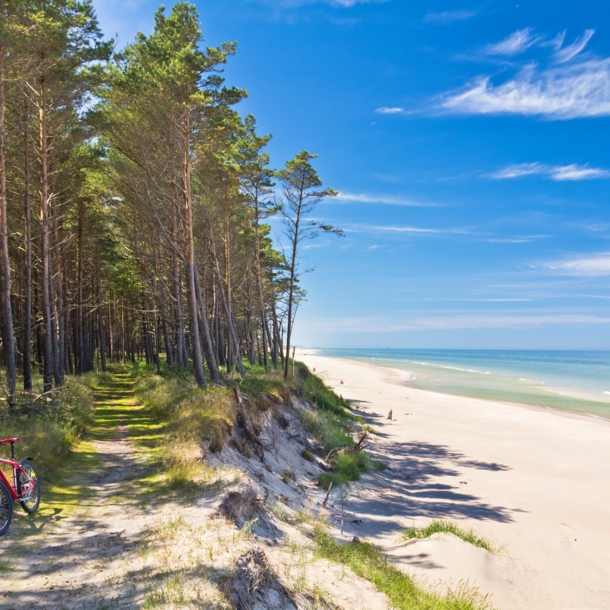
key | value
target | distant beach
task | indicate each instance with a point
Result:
(577, 381)
(534, 481)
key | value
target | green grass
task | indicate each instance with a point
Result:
(368, 562)
(313, 389)
(349, 467)
(190, 414)
(444, 526)
(332, 424)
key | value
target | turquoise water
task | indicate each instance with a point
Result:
(572, 380)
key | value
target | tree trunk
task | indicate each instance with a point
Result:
(191, 267)
(207, 336)
(7, 312)
(230, 327)
(44, 220)
(27, 210)
(100, 314)
(295, 242)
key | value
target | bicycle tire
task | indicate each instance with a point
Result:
(26, 503)
(6, 508)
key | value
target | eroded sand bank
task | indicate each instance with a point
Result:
(533, 480)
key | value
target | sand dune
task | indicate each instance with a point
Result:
(535, 481)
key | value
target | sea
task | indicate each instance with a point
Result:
(577, 381)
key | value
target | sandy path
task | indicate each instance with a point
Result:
(533, 480)
(56, 562)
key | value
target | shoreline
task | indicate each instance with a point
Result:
(528, 405)
(516, 474)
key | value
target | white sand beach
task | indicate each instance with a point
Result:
(534, 481)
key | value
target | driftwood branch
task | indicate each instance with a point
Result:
(327, 495)
(359, 446)
(243, 419)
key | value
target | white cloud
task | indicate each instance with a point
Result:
(508, 240)
(355, 228)
(574, 49)
(555, 43)
(597, 265)
(516, 43)
(363, 228)
(385, 199)
(578, 172)
(377, 325)
(341, 3)
(449, 16)
(517, 171)
(559, 173)
(578, 87)
(385, 110)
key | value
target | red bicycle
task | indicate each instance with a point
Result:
(25, 487)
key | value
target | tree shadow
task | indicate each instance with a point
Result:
(421, 481)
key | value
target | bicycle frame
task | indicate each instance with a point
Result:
(12, 487)
(16, 468)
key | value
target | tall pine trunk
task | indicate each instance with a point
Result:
(45, 245)
(191, 266)
(27, 211)
(7, 312)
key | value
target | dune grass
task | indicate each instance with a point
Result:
(332, 424)
(444, 526)
(191, 414)
(368, 562)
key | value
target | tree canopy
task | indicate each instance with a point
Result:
(134, 201)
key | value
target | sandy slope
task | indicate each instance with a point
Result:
(533, 480)
(132, 544)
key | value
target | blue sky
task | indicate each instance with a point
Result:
(469, 144)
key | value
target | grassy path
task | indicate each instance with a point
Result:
(89, 524)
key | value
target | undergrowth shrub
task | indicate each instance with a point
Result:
(327, 429)
(50, 429)
(349, 467)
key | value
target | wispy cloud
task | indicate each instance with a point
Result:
(377, 325)
(515, 44)
(572, 50)
(517, 171)
(383, 199)
(386, 110)
(597, 265)
(512, 240)
(367, 228)
(339, 3)
(575, 86)
(449, 16)
(578, 172)
(559, 173)
(361, 228)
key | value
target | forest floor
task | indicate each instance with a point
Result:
(111, 535)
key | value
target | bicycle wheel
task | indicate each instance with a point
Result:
(6, 509)
(28, 488)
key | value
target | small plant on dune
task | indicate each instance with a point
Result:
(349, 466)
(444, 526)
